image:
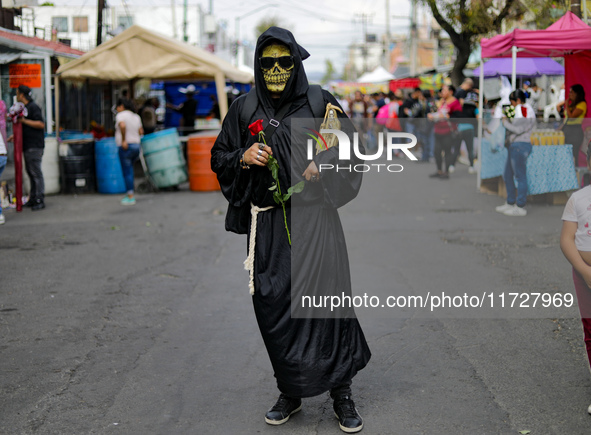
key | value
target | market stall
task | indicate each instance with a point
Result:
(570, 38)
(138, 53)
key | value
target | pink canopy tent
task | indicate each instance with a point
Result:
(569, 37)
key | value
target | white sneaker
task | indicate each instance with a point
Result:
(589, 409)
(503, 208)
(2, 219)
(464, 161)
(451, 169)
(515, 211)
(471, 170)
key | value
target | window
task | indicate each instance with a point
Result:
(60, 24)
(125, 21)
(80, 24)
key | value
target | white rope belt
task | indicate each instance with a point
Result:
(249, 262)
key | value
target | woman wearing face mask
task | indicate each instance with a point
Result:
(519, 130)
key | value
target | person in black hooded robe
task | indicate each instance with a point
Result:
(310, 354)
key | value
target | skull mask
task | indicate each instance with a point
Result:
(276, 76)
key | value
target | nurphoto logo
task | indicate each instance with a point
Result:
(394, 141)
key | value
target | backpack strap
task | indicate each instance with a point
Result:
(316, 100)
(251, 103)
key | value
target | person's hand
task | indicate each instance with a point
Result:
(124, 144)
(10, 138)
(258, 154)
(311, 173)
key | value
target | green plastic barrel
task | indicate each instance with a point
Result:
(164, 158)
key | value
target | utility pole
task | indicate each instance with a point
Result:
(173, 7)
(99, 23)
(387, 39)
(364, 49)
(185, 35)
(388, 20)
(413, 39)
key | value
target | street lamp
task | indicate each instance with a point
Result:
(237, 25)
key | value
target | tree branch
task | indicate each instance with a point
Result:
(442, 22)
(462, 11)
(503, 14)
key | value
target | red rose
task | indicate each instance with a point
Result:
(524, 111)
(256, 127)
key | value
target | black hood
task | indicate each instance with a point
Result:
(297, 85)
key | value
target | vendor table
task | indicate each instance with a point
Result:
(550, 168)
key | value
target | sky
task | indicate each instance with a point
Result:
(323, 27)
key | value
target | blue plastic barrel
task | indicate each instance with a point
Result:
(164, 158)
(109, 175)
(75, 135)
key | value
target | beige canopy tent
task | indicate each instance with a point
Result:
(139, 53)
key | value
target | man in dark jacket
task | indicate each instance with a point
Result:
(309, 354)
(33, 145)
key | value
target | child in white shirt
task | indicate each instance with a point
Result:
(575, 242)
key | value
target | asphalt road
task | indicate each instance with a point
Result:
(137, 320)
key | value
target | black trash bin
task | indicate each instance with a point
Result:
(77, 166)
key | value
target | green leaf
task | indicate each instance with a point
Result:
(273, 187)
(294, 189)
(277, 197)
(524, 432)
(298, 187)
(273, 167)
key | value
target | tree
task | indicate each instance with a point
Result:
(547, 11)
(267, 22)
(467, 20)
(330, 72)
(464, 20)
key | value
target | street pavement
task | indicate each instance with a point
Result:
(138, 320)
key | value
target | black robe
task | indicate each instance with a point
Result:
(309, 355)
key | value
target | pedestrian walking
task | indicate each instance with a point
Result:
(445, 130)
(427, 106)
(3, 148)
(128, 132)
(3, 160)
(519, 128)
(359, 113)
(33, 145)
(575, 242)
(309, 355)
(466, 128)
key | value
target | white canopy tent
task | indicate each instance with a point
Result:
(139, 53)
(378, 75)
